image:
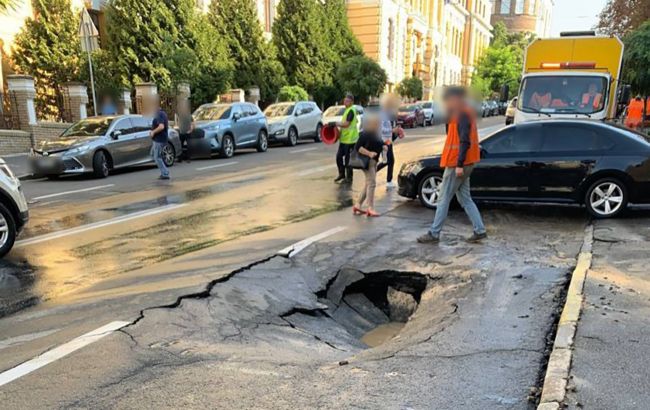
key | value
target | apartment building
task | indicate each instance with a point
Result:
(524, 15)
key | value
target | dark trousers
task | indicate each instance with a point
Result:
(343, 159)
(185, 145)
(390, 163)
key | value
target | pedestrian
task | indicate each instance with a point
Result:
(108, 106)
(389, 133)
(185, 123)
(159, 135)
(634, 118)
(349, 126)
(459, 156)
(370, 145)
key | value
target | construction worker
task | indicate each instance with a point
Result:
(459, 156)
(349, 126)
(634, 117)
(592, 99)
(541, 98)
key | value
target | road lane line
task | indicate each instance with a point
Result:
(95, 225)
(19, 340)
(225, 164)
(59, 352)
(72, 192)
(296, 151)
(293, 250)
(315, 170)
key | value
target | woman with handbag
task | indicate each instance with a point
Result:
(368, 149)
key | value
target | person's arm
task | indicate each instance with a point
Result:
(464, 129)
(156, 130)
(360, 146)
(348, 120)
(191, 124)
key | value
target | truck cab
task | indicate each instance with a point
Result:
(574, 76)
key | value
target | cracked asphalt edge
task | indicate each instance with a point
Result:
(559, 363)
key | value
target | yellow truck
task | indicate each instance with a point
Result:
(574, 76)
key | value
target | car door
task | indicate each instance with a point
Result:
(122, 144)
(141, 129)
(302, 120)
(505, 166)
(569, 151)
(239, 125)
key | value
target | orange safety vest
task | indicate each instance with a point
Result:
(450, 153)
(540, 100)
(635, 110)
(596, 103)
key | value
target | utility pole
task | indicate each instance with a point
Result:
(89, 36)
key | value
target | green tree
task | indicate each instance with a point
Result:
(411, 87)
(340, 38)
(621, 17)
(7, 5)
(48, 49)
(301, 40)
(255, 60)
(637, 59)
(292, 93)
(361, 76)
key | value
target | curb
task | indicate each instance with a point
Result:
(559, 363)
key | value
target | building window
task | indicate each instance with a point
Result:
(531, 7)
(505, 6)
(391, 39)
(519, 6)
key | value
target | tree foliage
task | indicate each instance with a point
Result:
(620, 17)
(361, 76)
(340, 37)
(48, 49)
(292, 93)
(637, 59)
(411, 87)
(255, 60)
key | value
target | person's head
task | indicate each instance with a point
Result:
(638, 97)
(107, 100)
(371, 123)
(348, 100)
(454, 99)
(593, 88)
(390, 103)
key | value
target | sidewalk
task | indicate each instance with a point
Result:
(611, 360)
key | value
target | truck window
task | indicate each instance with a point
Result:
(563, 94)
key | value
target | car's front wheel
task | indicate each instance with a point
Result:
(319, 130)
(100, 165)
(7, 230)
(169, 155)
(606, 198)
(262, 141)
(227, 147)
(429, 190)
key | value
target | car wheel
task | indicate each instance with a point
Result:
(100, 165)
(292, 137)
(262, 141)
(227, 147)
(319, 130)
(169, 155)
(429, 190)
(606, 198)
(7, 230)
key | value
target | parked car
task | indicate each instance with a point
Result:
(510, 111)
(335, 114)
(484, 109)
(232, 126)
(410, 115)
(601, 166)
(432, 112)
(493, 106)
(98, 145)
(13, 208)
(291, 121)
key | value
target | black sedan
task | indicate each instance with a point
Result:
(599, 165)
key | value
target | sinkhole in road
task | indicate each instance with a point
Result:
(371, 307)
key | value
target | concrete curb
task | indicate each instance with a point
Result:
(559, 364)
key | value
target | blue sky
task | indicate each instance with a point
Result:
(574, 15)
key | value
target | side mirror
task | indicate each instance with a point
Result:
(236, 116)
(116, 134)
(505, 93)
(483, 151)
(626, 94)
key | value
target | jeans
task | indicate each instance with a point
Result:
(452, 185)
(343, 159)
(367, 195)
(156, 153)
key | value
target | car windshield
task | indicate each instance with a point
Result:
(427, 105)
(563, 94)
(334, 111)
(279, 110)
(91, 127)
(212, 112)
(408, 108)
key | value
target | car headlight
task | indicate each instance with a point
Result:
(215, 127)
(413, 168)
(77, 150)
(7, 171)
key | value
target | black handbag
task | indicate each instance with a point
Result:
(358, 161)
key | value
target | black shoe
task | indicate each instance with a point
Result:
(339, 179)
(348, 180)
(428, 238)
(477, 237)
(164, 178)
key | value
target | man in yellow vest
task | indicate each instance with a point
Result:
(460, 155)
(349, 126)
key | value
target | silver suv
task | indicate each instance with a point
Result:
(100, 144)
(291, 121)
(13, 208)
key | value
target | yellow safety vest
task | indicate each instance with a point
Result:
(350, 135)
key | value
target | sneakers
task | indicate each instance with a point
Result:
(339, 179)
(477, 237)
(428, 238)
(164, 178)
(391, 185)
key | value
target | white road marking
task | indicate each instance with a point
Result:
(315, 170)
(59, 352)
(95, 225)
(225, 164)
(296, 151)
(18, 340)
(94, 188)
(293, 250)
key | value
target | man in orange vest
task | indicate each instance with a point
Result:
(460, 155)
(634, 118)
(592, 99)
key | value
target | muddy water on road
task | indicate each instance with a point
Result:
(382, 333)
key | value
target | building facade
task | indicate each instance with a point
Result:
(524, 15)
